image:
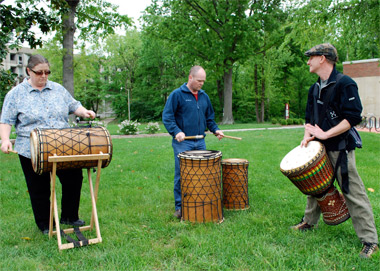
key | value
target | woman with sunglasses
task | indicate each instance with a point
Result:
(40, 103)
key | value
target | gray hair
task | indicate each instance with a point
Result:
(34, 60)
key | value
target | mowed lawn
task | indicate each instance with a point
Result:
(135, 207)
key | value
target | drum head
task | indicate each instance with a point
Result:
(234, 161)
(300, 156)
(33, 149)
(200, 154)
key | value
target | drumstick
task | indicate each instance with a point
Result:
(194, 137)
(201, 136)
(232, 137)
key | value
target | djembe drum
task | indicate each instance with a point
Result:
(235, 183)
(201, 186)
(310, 170)
(68, 141)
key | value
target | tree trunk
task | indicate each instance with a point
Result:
(262, 98)
(257, 95)
(68, 46)
(219, 88)
(227, 109)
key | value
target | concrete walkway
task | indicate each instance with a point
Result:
(225, 131)
(234, 130)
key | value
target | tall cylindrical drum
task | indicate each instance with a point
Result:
(235, 183)
(201, 186)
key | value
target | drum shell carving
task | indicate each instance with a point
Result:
(201, 186)
(333, 207)
(68, 141)
(235, 183)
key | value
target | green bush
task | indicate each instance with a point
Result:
(283, 122)
(152, 128)
(127, 127)
(274, 121)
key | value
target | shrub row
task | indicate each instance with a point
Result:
(288, 121)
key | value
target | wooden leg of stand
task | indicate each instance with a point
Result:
(98, 170)
(58, 231)
(94, 216)
(54, 207)
(52, 198)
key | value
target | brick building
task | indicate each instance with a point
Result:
(366, 73)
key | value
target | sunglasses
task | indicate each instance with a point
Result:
(39, 73)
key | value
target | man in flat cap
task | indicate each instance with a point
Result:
(333, 107)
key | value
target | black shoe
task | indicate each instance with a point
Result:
(76, 223)
(178, 214)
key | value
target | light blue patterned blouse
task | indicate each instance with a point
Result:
(27, 108)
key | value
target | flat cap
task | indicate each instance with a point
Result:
(324, 49)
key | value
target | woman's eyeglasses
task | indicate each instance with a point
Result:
(39, 73)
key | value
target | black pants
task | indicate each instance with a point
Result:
(39, 192)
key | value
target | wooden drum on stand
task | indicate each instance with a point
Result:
(68, 141)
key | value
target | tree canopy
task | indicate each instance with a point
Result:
(252, 50)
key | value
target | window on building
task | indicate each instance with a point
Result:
(19, 59)
(13, 57)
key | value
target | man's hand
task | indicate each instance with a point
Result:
(316, 131)
(306, 141)
(180, 136)
(219, 134)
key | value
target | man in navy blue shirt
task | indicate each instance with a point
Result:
(188, 112)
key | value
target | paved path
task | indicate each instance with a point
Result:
(234, 130)
(225, 131)
(228, 131)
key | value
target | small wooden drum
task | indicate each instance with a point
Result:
(68, 141)
(333, 207)
(201, 186)
(310, 169)
(235, 183)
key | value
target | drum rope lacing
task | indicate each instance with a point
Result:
(201, 185)
(70, 141)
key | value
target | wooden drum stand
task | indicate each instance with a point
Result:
(94, 196)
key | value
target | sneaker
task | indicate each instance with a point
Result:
(178, 214)
(368, 250)
(302, 226)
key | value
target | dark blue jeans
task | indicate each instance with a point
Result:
(178, 147)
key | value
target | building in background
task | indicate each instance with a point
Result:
(366, 73)
(16, 61)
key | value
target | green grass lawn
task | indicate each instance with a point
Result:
(135, 207)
